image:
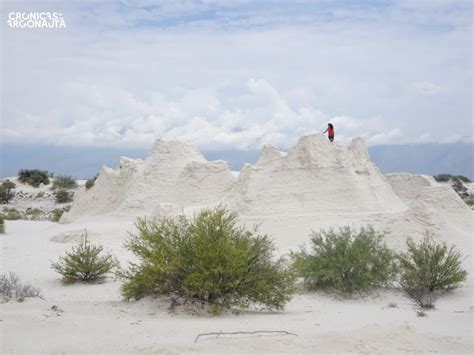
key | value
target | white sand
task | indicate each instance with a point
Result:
(317, 185)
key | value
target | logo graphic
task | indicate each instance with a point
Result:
(36, 20)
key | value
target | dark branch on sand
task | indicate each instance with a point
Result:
(277, 332)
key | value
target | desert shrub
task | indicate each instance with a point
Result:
(469, 201)
(33, 177)
(11, 214)
(207, 259)
(346, 260)
(459, 187)
(2, 224)
(463, 178)
(442, 177)
(428, 269)
(40, 194)
(9, 184)
(91, 182)
(6, 191)
(64, 182)
(85, 262)
(12, 289)
(33, 214)
(57, 213)
(63, 196)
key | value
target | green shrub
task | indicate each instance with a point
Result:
(57, 213)
(91, 182)
(6, 191)
(459, 187)
(463, 178)
(33, 214)
(33, 177)
(346, 260)
(469, 201)
(85, 263)
(40, 194)
(2, 225)
(429, 268)
(64, 182)
(11, 214)
(207, 259)
(442, 177)
(63, 196)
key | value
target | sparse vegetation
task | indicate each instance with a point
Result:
(33, 177)
(57, 213)
(40, 194)
(442, 177)
(11, 214)
(463, 178)
(91, 182)
(63, 196)
(428, 269)
(421, 312)
(85, 262)
(470, 201)
(457, 183)
(207, 259)
(64, 182)
(12, 289)
(6, 191)
(346, 260)
(33, 214)
(2, 225)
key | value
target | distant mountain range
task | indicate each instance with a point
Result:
(85, 162)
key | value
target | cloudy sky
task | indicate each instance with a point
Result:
(238, 74)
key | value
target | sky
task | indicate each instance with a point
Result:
(238, 74)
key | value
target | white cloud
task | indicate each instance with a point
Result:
(245, 76)
(424, 138)
(115, 117)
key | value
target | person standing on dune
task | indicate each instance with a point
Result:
(330, 131)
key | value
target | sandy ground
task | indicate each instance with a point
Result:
(93, 318)
(316, 185)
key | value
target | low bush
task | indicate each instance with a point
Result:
(85, 262)
(463, 178)
(6, 191)
(2, 225)
(442, 177)
(207, 259)
(12, 289)
(40, 194)
(33, 177)
(346, 260)
(33, 214)
(57, 213)
(63, 196)
(11, 214)
(64, 182)
(91, 182)
(428, 269)
(469, 201)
